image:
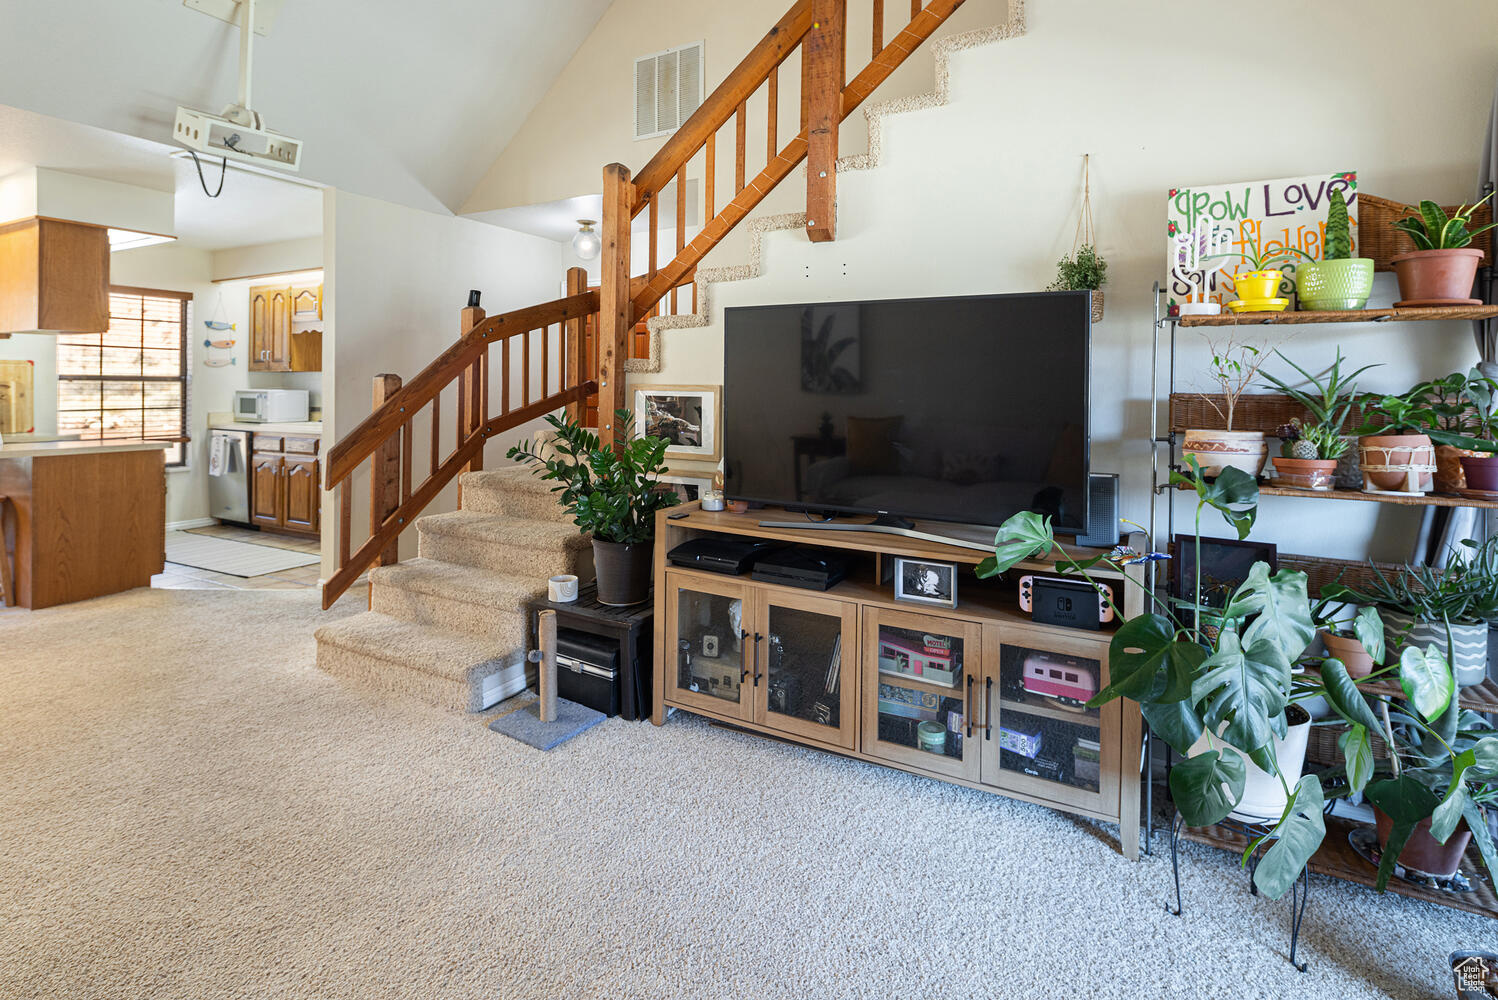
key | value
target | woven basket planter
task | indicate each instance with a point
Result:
(1397, 463)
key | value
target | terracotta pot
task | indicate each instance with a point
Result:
(1397, 463)
(1218, 450)
(1436, 274)
(623, 571)
(1305, 473)
(1349, 649)
(1421, 852)
(1481, 471)
(1449, 477)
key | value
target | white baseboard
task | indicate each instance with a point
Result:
(504, 683)
(197, 522)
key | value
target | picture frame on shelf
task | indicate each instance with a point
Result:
(687, 416)
(922, 581)
(1225, 566)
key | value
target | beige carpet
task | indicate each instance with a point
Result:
(189, 809)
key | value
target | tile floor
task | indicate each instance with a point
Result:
(179, 577)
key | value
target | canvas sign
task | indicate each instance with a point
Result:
(1212, 219)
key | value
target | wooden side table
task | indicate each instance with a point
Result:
(633, 628)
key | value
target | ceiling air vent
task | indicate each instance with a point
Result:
(668, 88)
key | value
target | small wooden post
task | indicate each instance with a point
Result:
(385, 474)
(470, 405)
(615, 310)
(822, 69)
(546, 682)
(575, 344)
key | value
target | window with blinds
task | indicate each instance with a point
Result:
(130, 382)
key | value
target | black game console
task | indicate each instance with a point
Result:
(720, 554)
(1072, 603)
(809, 568)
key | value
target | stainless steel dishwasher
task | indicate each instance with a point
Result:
(229, 475)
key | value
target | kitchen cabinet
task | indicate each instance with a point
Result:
(285, 494)
(54, 277)
(279, 341)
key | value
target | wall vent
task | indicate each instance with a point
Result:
(668, 88)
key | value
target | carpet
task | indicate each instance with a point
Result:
(221, 555)
(189, 809)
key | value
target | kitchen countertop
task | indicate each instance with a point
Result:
(44, 449)
(308, 427)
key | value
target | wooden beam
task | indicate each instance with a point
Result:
(385, 475)
(615, 311)
(575, 342)
(822, 65)
(878, 27)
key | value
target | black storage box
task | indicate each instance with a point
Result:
(588, 670)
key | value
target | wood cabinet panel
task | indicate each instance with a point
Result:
(54, 277)
(303, 497)
(266, 490)
(275, 344)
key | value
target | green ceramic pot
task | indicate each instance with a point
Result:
(1334, 284)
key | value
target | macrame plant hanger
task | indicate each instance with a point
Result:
(1085, 235)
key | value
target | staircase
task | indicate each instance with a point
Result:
(448, 627)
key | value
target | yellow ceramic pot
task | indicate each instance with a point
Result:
(1253, 286)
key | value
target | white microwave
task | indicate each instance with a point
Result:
(271, 406)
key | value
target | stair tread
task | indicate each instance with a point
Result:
(458, 582)
(432, 650)
(517, 479)
(503, 529)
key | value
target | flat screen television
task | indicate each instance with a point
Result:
(966, 409)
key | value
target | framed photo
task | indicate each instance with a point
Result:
(688, 486)
(1224, 567)
(921, 582)
(685, 415)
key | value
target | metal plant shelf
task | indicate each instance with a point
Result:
(1426, 500)
(1391, 315)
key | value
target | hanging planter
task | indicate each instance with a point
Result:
(1083, 270)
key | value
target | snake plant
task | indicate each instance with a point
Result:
(1432, 229)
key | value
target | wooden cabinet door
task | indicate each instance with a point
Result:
(261, 326)
(267, 491)
(306, 303)
(922, 687)
(806, 677)
(710, 645)
(302, 494)
(280, 330)
(1038, 738)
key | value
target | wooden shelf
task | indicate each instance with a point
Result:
(1044, 711)
(1478, 698)
(1427, 500)
(1406, 315)
(1337, 858)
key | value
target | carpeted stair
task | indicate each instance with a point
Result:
(449, 626)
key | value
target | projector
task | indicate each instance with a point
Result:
(221, 135)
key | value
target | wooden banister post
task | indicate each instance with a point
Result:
(615, 310)
(575, 346)
(822, 68)
(385, 474)
(469, 417)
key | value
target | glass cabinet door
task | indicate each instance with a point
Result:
(709, 643)
(921, 687)
(807, 673)
(1045, 741)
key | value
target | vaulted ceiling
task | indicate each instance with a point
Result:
(406, 101)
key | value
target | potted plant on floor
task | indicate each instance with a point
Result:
(1233, 369)
(1461, 406)
(1338, 280)
(1441, 269)
(611, 495)
(1082, 270)
(1329, 399)
(1258, 288)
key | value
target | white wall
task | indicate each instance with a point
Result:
(981, 195)
(268, 258)
(41, 350)
(397, 279)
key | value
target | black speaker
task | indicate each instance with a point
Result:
(1102, 511)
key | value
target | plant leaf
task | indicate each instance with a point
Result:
(1235, 495)
(1206, 787)
(1285, 614)
(1426, 679)
(1141, 649)
(1478, 824)
(1175, 722)
(1343, 695)
(1407, 802)
(1369, 628)
(1357, 750)
(1026, 535)
(1239, 689)
(1298, 834)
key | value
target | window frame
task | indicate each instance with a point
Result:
(183, 377)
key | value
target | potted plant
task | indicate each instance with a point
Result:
(1354, 637)
(1441, 269)
(1460, 406)
(1258, 287)
(1082, 270)
(1395, 452)
(1449, 607)
(1308, 456)
(1233, 369)
(1338, 280)
(1480, 466)
(612, 495)
(1329, 399)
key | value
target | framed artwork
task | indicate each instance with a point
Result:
(688, 486)
(687, 416)
(920, 581)
(1224, 567)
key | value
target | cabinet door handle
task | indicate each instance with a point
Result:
(743, 634)
(969, 706)
(757, 638)
(988, 709)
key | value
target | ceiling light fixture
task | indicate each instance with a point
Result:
(587, 244)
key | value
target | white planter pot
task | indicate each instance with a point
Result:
(1218, 450)
(1263, 797)
(1469, 643)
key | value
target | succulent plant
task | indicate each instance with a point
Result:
(1338, 242)
(1432, 229)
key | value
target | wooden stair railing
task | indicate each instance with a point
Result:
(816, 28)
(529, 387)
